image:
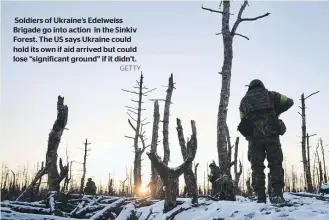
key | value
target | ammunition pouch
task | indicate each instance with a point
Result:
(283, 128)
(246, 128)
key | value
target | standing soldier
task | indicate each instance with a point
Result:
(259, 112)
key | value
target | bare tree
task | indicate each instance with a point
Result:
(204, 183)
(68, 177)
(169, 176)
(324, 162)
(236, 173)
(189, 177)
(55, 177)
(196, 171)
(84, 168)
(294, 179)
(138, 129)
(110, 186)
(154, 144)
(320, 176)
(307, 171)
(166, 114)
(228, 35)
(314, 169)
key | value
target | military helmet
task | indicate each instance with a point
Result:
(89, 179)
(212, 164)
(256, 83)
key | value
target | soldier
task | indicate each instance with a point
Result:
(259, 112)
(222, 185)
(90, 188)
(214, 175)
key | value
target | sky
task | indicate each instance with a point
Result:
(288, 51)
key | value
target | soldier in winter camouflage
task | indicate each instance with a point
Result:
(259, 112)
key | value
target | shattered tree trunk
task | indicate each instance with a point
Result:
(324, 162)
(236, 173)
(83, 178)
(166, 114)
(169, 176)
(228, 35)
(54, 177)
(189, 177)
(154, 144)
(307, 171)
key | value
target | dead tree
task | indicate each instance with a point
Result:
(320, 176)
(138, 129)
(69, 175)
(196, 171)
(170, 89)
(228, 35)
(293, 179)
(308, 152)
(208, 187)
(55, 177)
(84, 168)
(189, 177)
(166, 114)
(123, 187)
(307, 171)
(110, 186)
(169, 176)
(154, 144)
(324, 162)
(204, 183)
(314, 169)
(236, 173)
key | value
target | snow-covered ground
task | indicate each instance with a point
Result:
(242, 209)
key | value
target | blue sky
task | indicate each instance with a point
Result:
(288, 50)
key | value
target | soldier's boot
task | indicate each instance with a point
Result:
(276, 196)
(261, 196)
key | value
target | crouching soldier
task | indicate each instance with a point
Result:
(90, 188)
(222, 185)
